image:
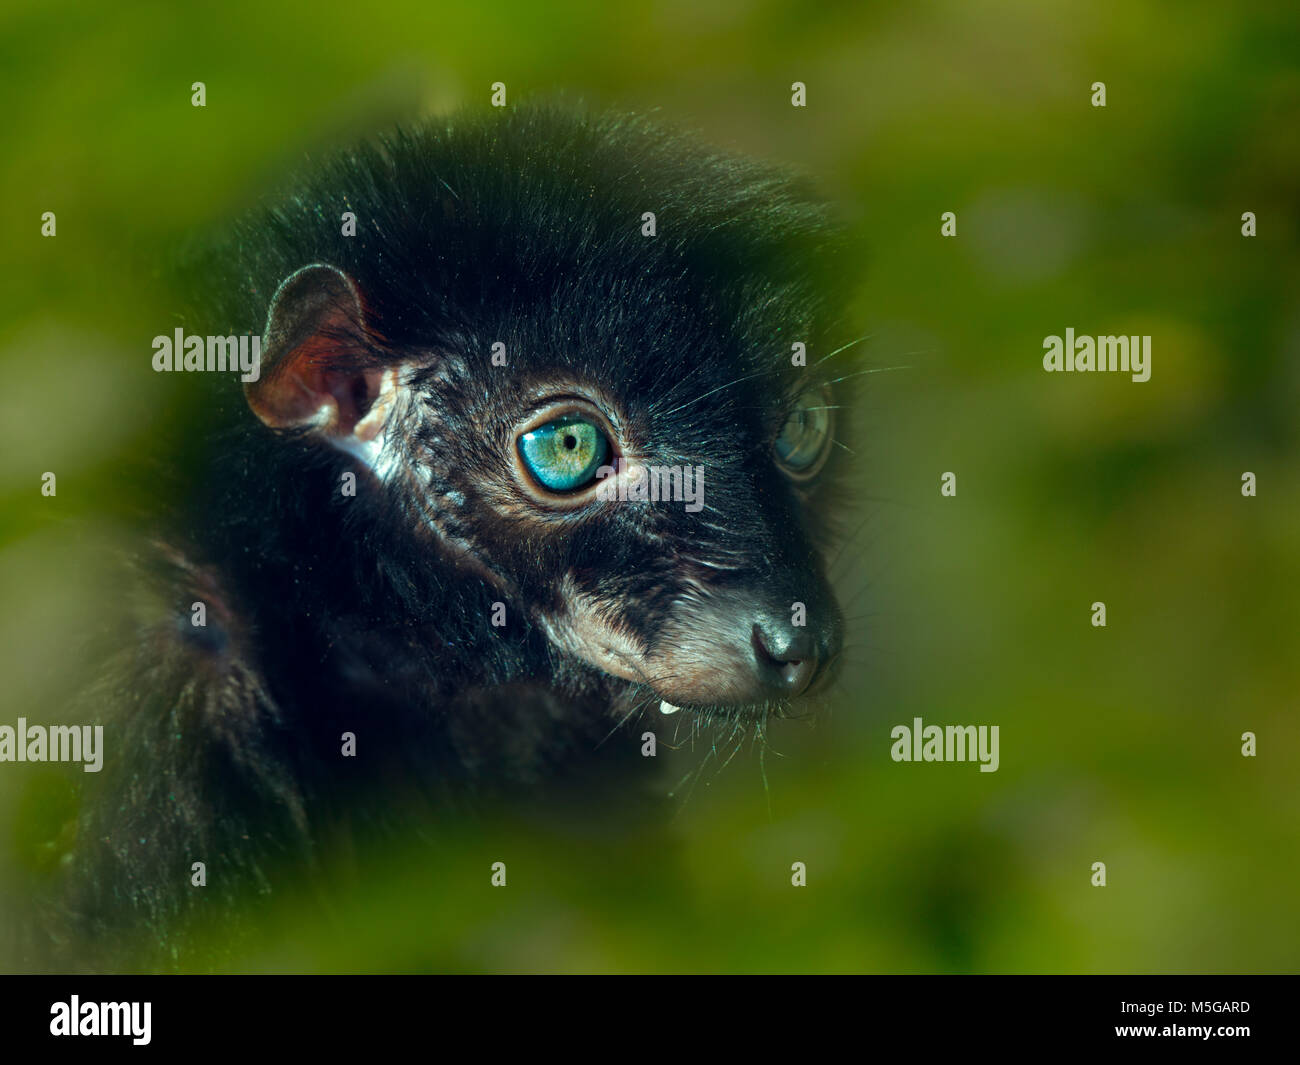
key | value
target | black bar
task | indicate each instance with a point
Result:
(974, 1014)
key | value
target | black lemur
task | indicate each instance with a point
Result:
(425, 538)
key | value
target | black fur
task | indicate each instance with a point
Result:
(329, 615)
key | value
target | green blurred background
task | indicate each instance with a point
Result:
(1119, 745)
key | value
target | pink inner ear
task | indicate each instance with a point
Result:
(353, 394)
(304, 389)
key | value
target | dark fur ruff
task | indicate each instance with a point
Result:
(329, 615)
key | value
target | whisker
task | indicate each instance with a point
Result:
(852, 536)
(729, 384)
(842, 347)
(874, 369)
(626, 718)
(762, 772)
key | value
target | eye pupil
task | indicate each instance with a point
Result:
(570, 442)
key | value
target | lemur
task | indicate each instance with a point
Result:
(404, 537)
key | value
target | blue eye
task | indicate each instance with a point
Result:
(565, 454)
(805, 438)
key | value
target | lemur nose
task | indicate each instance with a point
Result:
(788, 657)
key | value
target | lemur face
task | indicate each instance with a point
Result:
(655, 523)
(608, 429)
(653, 533)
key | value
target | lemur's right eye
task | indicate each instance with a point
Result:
(563, 455)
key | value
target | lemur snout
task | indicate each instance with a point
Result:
(788, 659)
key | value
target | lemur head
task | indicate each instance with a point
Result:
(572, 350)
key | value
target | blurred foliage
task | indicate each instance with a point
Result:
(1120, 744)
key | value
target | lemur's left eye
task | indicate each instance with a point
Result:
(805, 438)
(563, 455)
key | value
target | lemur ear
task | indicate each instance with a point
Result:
(315, 370)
